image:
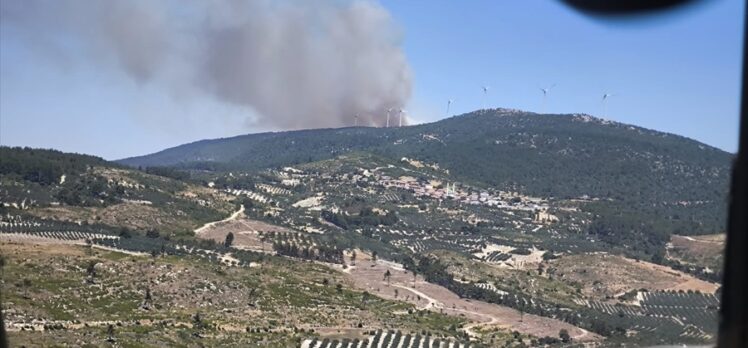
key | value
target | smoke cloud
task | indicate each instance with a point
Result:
(292, 64)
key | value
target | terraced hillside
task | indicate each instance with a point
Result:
(76, 188)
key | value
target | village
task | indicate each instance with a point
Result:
(433, 188)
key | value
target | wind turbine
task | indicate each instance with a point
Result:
(485, 96)
(355, 124)
(545, 96)
(449, 102)
(400, 121)
(605, 103)
(388, 118)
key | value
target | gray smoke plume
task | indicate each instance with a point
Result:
(293, 64)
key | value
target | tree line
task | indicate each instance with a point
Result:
(365, 217)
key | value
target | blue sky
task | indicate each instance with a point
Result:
(678, 74)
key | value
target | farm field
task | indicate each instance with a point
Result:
(704, 250)
(607, 276)
(369, 275)
(385, 338)
(248, 234)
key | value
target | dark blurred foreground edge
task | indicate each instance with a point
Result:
(733, 325)
(619, 8)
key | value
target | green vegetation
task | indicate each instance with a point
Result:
(44, 167)
(366, 217)
(47, 184)
(168, 172)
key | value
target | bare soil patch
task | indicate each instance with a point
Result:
(369, 275)
(246, 232)
(603, 275)
(705, 250)
(135, 216)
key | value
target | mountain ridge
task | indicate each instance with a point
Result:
(580, 117)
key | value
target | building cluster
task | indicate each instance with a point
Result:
(439, 190)
(291, 176)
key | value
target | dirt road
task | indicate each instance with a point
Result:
(369, 275)
(233, 216)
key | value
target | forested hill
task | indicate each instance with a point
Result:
(52, 184)
(45, 166)
(638, 174)
(552, 155)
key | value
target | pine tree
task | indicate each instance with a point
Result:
(229, 240)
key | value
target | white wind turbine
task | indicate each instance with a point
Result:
(388, 118)
(606, 96)
(449, 102)
(400, 121)
(485, 96)
(545, 96)
(355, 123)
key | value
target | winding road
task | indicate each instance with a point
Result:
(233, 216)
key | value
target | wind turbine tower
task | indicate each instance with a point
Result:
(355, 123)
(485, 96)
(388, 118)
(449, 102)
(545, 96)
(606, 96)
(400, 121)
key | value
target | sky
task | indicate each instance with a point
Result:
(678, 73)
